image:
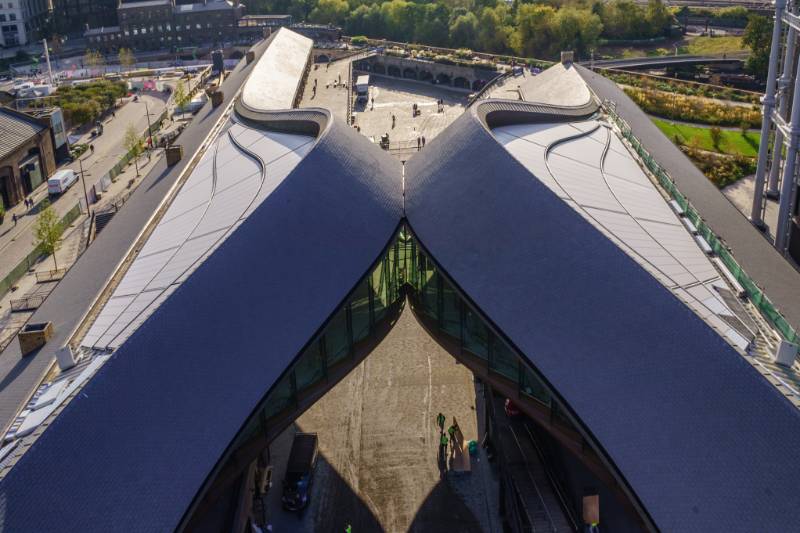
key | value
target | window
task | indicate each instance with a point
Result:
(309, 369)
(2, 18)
(337, 338)
(359, 312)
(502, 360)
(12, 17)
(476, 336)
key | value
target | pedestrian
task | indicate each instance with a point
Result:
(452, 432)
(443, 441)
(419, 143)
(348, 529)
(14, 218)
(91, 148)
(440, 419)
(423, 141)
(393, 120)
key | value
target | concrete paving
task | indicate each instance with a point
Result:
(391, 96)
(379, 443)
(68, 303)
(779, 279)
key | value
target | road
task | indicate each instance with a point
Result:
(67, 304)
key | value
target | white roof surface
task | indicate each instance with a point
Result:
(589, 168)
(236, 174)
(274, 82)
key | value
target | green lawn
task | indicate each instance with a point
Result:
(732, 143)
(712, 45)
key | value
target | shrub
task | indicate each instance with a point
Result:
(693, 109)
(358, 40)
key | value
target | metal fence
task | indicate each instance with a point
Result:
(754, 292)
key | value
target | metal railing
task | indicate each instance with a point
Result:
(50, 275)
(27, 303)
(756, 295)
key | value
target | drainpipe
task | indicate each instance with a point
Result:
(768, 106)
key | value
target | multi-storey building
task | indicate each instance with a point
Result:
(12, 23)
(167, 24)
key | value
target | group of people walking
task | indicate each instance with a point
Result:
(453, 436)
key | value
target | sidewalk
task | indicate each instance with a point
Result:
(17, 241)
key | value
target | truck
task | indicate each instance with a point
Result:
(299, 471)
(61, 181)
(362, 88)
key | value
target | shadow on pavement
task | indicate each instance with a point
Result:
(443, 510)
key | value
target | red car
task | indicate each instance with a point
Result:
(512, 411)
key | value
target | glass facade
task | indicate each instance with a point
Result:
(404, 263)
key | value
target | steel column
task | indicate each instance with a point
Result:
(789, 166)
(769, 105)
(784, 83)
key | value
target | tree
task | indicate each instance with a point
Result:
(464, 31)
(576, 29)
(493, 29)
(758, 37)
(659, 19)
(180, 96)
(47, 231)
(133, 145)
(716, 136)
(533, 35)
(126, 58)
(330, 11)
(93, 59)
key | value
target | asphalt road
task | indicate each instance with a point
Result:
(750, 248)
(68, 303)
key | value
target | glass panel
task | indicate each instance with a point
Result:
(380, 300)
(337, 343)
(429, 293)
(451, 312)
(503, 360)
(308, 369)
(531, 386)
(476, 336)
(359, 309)
(280, 398)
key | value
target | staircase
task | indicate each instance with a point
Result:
(102, 219)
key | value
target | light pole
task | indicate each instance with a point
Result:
(83, 181)
(150, 144)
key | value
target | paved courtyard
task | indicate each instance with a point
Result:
(378, 468)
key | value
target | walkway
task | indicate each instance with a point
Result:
(758, 257)
(69, 301)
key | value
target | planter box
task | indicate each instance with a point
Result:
(250, 57)
(174, 154)
(34, 336)
(217, 98)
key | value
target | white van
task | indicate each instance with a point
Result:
(61, 181)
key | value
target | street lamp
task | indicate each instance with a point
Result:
(83, 180)
(151, 145)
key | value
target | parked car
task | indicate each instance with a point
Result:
(512, 411)
(62, 180)
(300, 471)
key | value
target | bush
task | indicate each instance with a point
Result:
(358, 40)
(693, 109)
(722, 170)
(688, 88)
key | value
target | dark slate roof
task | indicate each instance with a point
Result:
(15, 129)
(780, 281)
(132, 450)
(701, 438)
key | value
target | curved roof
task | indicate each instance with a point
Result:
(702, 439)
(172, 397)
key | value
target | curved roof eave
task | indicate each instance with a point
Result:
(701, 438)
(206, 357)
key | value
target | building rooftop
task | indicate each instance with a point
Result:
(277, 76)
(545, 222)
(17, 130)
